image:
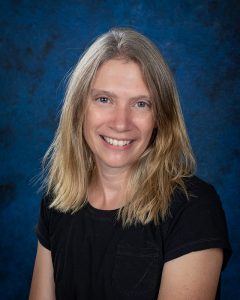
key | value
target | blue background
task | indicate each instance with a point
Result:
(42, 40)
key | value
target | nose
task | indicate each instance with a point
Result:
(121, 119)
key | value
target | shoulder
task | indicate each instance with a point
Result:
(52, 215)
(201, 206)
(47, 213)
(196, 185)
(46, 201)
(199, 194)
(196, 222)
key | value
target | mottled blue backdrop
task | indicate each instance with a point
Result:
(42, 40)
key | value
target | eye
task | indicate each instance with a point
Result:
(143, 104)
(103, 100)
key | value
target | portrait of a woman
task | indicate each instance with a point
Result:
(124, 215)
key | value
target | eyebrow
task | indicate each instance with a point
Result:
(95, 92)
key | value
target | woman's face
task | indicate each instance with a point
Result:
(119, 119)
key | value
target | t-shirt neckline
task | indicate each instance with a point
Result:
(101, 212)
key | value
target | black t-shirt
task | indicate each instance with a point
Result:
(95, 258)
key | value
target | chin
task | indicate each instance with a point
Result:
(117, 164)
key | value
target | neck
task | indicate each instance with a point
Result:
(106, 191)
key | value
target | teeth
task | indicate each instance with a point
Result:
(114, 142)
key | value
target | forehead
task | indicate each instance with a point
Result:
(120, 74)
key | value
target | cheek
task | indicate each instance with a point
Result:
(90, 126)
(88, 121)
(148, 126)
(92, 118)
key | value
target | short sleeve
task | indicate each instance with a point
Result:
(198, 223)
(42, 227)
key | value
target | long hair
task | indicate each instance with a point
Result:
(69, 163)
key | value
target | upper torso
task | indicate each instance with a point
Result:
(95, 258)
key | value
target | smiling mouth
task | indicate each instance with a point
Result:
(114, 142)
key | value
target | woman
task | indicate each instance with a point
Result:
(123, 216)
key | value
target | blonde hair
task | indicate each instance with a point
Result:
(69, 163)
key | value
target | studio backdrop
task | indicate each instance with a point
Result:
(41, 42)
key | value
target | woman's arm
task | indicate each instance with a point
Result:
(42, 287)
(192, 276)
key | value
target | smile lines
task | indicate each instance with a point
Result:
(115, 142)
